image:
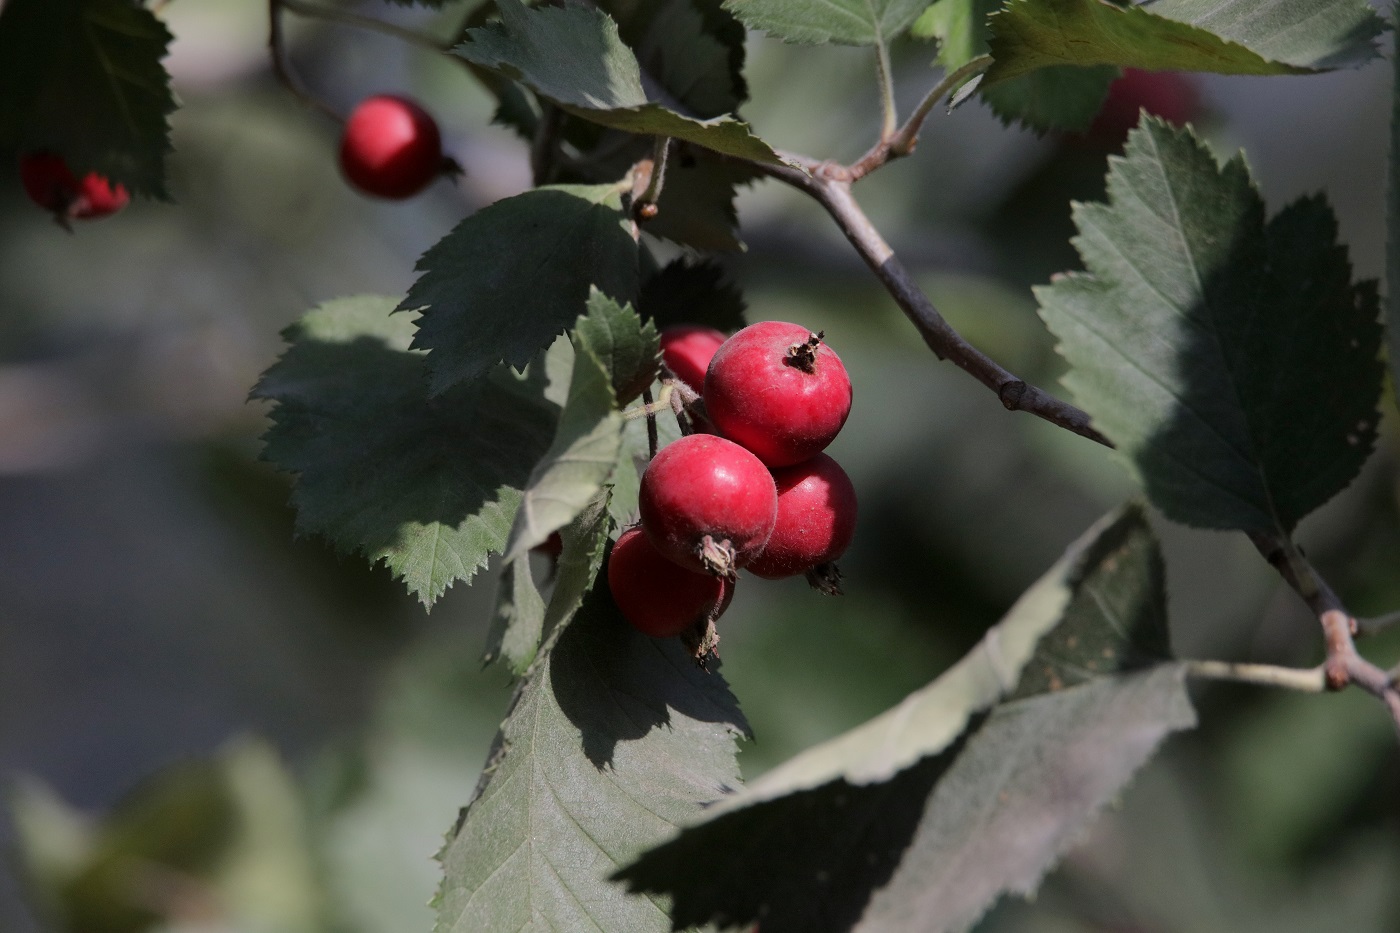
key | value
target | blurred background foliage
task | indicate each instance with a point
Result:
(206, 725)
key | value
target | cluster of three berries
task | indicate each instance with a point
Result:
(757, 494)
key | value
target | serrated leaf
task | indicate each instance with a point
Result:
(850, 22)
(511, 277)
(1233, 363)
(579, 461)
(585, 541)
(846, 831)
(693, 48)
(627, 346)
(84, 79)
(615, 738)
(696, 206)
(1259, 37)
(1058, 98)
(573, 56)
(428, 485)
(690, 292)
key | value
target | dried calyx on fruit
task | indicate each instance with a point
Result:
(778, 390)
(51, 184)
(708, 504)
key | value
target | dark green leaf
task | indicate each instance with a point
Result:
(1258, 37)
(693, 48)
(696, 207)
(84, 79)
(578, 463)
(939, 794)
(851, 22)
(1062, 98)
(627, 347)
(1392, 253)
(573, 56)
(1233, 363)
(687, 292)
(518, 621)
(614, 739)
(514, 275)
(585, 542)
(428, 485)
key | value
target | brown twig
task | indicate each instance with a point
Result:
(652, 439)
(277, 49)
(368, 23)
(894, 144)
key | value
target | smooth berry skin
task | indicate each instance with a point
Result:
(758, 394)
(657, 596)
(708, 504)
(391, 147)
(51, 184)
(816, 519)
(1166, 94)
(687, 349)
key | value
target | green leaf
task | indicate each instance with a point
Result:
(938, 795)
(1232, 362)
(573, 56)
(1392, 216)
(614, 739)
(1257, 37)
(539, 252)
(690, 292)
(578, 463)
(84, 79)
(694, 48)
(518, 621)
(628, 348)
(851, 22)
(585, 542)
(428, 485)
(696, 207)
(1062, 98)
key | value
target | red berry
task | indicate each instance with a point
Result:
(816, 519)
(51, 184)
(391, 147)
(778, 390)
(659, 597)
(707, 503)
(687, 349)
(1166, 94)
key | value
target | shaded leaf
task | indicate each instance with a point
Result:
(851, 22)
(938, 794)
(518, 620)
(585, 542)
(84, 79)
(614, 739)
(573, 56)
(514, 275)
(1233, 363)
(428, 485)
(694, 48)
(696, 206)
(1261, 37)
(1392, 215)
(627, 346)
(1062, 98)
(690, 292)
(578, 463)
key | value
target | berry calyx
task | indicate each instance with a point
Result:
(51, 184)
(816, 519)
(778, 390)
(708, 504)
(659, 597)
(687, 349)
(391, 147)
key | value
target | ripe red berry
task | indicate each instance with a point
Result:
(779, 391)
(1166, 94)
(687, 349)
(659, 597)
(391, 147)
(51, 184)
(816, 519)
(707, 503)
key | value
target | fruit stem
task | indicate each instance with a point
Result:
(281, 68)
(826, 579)
(652, 441)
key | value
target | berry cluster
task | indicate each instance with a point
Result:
(756, 493)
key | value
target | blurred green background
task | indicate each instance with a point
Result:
(205, 725)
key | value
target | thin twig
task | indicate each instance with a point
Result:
(1305, 680)
(276, 44)
(369, 23)
(897, 144)
(652, 439)
(644, 205)
(890, 120)
(544, 148)
(1377, 624)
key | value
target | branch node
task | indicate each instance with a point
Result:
(1011, 393)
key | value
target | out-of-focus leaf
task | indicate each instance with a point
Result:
(514, 275)
(1392, 215)
(574, 57)
(614, 739)
(1234, 363)
(851, 22)
(689, 292)
(84, 79)
(429, 485)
